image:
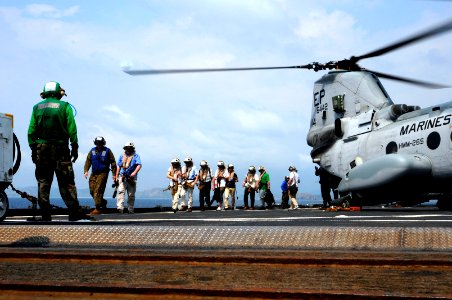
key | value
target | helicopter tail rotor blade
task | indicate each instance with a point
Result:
(442, 28)
(425, 84)
(176, 71)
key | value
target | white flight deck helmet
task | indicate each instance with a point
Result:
(203, 163)
(188, 159)
(220, 163)
(53, 88)
(252, 169)
(129, 145)
(231, 166)
(100, 140)
(175, 161)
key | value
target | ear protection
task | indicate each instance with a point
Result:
(53, 88)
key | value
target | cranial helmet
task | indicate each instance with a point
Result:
(203, 163)
(188, 159)
(220, 163)
(53, 88)
(251, 169)
(175, 161)
(291, 168)
(261, 168)
(231, 166)
(129, 145)
(99, 140)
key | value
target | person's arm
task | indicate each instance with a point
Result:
(113, 165)
(87, 164)
(71, 126)
(119, 166)
(135, 172)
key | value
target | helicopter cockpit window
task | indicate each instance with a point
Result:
(338, 103)
(381, 86)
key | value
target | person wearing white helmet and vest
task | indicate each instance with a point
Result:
(189, 180)
(129, 164)
(293, 188)
(231, 179)
(219, 184)
(99, 159)
(250, 186)
(204, 184)
(175, 175)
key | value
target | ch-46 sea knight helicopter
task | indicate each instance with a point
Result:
(374, 151)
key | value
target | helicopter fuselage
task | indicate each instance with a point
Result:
(385, 152)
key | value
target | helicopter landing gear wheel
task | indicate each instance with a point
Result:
(4, 205)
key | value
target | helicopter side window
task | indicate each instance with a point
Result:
(338, 103)
(391, 148)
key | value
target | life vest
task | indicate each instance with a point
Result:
(126, 162)
(99, 160)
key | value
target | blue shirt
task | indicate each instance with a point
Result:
(284, 186)
(136, 160)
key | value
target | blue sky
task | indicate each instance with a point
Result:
(245, 118)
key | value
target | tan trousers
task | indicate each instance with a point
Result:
(176, 196)
(122, 188)
(229, 192)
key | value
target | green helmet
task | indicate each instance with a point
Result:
(53, 88)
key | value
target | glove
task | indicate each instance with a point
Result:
(74, 152)
(34, 154)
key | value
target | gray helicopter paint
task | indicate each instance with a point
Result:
(384, 170)
(370, 127)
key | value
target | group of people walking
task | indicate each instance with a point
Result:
(223, 183)
(52, 127)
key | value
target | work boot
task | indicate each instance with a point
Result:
(103, 204)
(78, 215)
(96, 212)
(44, 218)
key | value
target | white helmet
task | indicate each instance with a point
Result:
(220, 163)
(251, 169)
(203, 163)
(231, 166)
(188, 159)
(129, 145)
(99, 140)
(175, 161)
(261, 168)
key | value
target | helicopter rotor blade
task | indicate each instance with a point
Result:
(175, 71)
(425, 84)
(444, 27)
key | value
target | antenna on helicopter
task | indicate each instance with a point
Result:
(345, 64)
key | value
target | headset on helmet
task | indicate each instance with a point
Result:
(220, 163)
(188, 159)
(129, 145)
(261, 168)
(251, 169)
(52, 88)
(99, 140)
(291, 168)
(231, 166)
(175, 161)
(203, 163)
